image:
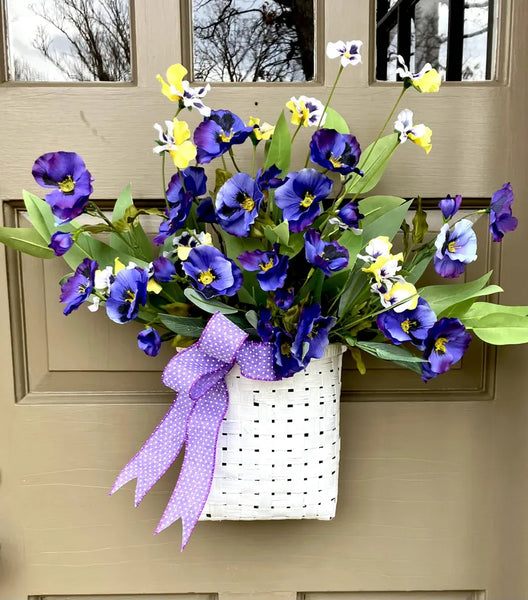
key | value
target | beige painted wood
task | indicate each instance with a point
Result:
(433, 495)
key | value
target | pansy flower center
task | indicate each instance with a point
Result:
(266, 266)
(307, 200)
(286, 349)
(67, 185)
(226, 137)
(82, 288)
(336, 162)
(130, 296)
(439, 345)
(248, 203)
(206, 277)
(452, 246)
(304, 112)
(408, 325)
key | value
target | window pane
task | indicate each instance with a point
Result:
(453, 36)
(68, 40)
(476, 20)
(253, 40)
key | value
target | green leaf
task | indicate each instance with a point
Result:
(388, 352)
(221, 176)
(279, 234)
(187, 326)
(387, 223)
(136, 240)
(419, 222)
(252, 318)
(335, 121)
(353, 242)
(40, 215)
(483, 309)
(500, 328)
(375, 166)
(419, 263)
(235, 245)
(209, 306)
(295, 245)
(279, 153)
(26, 240)
(371, 206)
(442, 297)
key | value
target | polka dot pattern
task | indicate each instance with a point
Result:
(197, 375)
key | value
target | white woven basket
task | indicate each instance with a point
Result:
(278, 449)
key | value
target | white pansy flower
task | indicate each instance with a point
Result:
(347, 51)
(379, 246)
(103, 278)
(94, 307)
(418, 134)
(192, 98)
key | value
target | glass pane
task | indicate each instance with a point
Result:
(467, 56)
(474, 61)
(68, 40)
(431, 21)
(253, 40)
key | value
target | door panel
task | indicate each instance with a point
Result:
(433, 495)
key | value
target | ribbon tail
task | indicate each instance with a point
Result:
(159, 451)
(194, 483)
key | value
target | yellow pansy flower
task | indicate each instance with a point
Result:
(384, 266)
(306, 111)
(426, 81)
(173, 87)
(182, 151)
(423, 139)
(261, 132)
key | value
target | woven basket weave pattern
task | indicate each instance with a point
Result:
(278, 449)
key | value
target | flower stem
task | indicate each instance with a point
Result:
(385, 124)
(321, 118)
(295, 133)
(232, 155)
(163, 181)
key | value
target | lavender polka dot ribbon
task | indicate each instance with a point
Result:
(197, 374)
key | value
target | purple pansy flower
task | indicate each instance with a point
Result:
(79, 286)
(264, 327)
(300, 196)
(217, 133)
(328, 256)
(194, 180)
(445, 345)
(268, 179)
(339, 152)
(177, 215)
(163, 269)
(286, 361)
(455, 249)
(61, 242)
(350, 214)
(409, 325)
(212, 273)
(312, 334)
(127, 293)
(501, 219)
(272, 268)
(205, 211)
(449, 206)
(149, 341)
(237, 204)
(284, 297)
(72, 183)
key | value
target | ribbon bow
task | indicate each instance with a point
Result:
(197, 374)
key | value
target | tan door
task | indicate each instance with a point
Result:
(434, 490)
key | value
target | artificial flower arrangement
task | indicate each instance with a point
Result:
(294, 260)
